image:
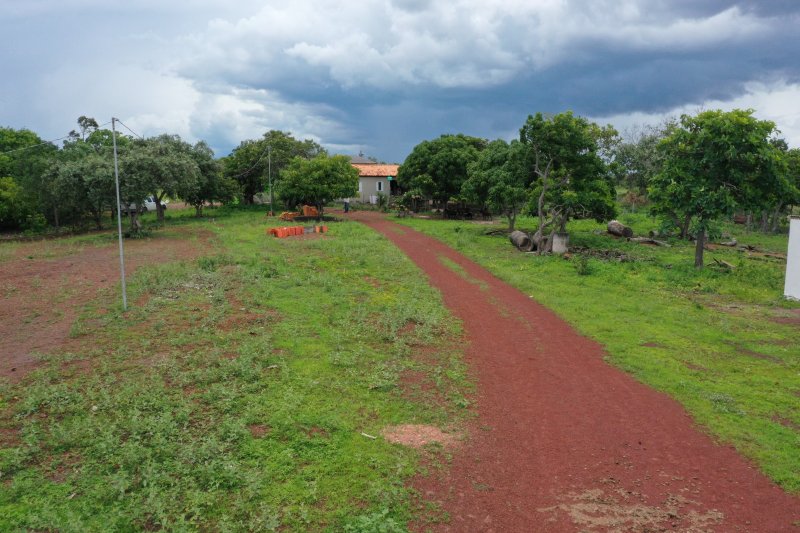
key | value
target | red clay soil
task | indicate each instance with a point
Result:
(41, 297)
(565, 442)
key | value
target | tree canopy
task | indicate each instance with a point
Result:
(499, 179)
(159, 167)
(571, 179)
(251, 162)
(211, 186)
(714, 162)
(317, 181)
(437, 169)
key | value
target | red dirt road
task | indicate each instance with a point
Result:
(564, 441)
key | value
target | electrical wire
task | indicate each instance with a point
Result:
(249, 170)
(34, 145)
(130, 130)
(47, 142)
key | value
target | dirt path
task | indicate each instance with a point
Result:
(43, 288)
(565, 442)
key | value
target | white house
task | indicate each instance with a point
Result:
(374, 178)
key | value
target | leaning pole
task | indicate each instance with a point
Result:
(119, 218)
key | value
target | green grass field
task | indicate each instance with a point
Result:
(241, 389)
(236, 393)
(721, 343)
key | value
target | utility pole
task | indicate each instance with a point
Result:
(119, 218)
(269, 173)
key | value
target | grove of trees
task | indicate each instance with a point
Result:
(689, 173)
(43, 184)
(252, 162)
(556, 170)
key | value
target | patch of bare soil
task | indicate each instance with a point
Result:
(622, 511)
(242, 317)
(788, 316)
(417, 435)
(785, 422)
(258, 430)
(693, 366)
(563, 423)
(66, 464)
(756, 355)
(40, 298)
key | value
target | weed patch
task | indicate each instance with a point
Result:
(235, 393)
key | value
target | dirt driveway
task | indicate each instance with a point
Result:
(565, 442)
(45, 283)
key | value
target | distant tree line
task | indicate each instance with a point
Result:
(72, 185)
(690, 172)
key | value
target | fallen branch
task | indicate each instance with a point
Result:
(724, 264)
(648, 240)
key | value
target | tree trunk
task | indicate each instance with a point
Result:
(55, 216)
(521, 240)
(698, 249)
(537, 237)
(159, 209)
(764, 222)
(512, 220)
(135, 224)
(776, 216)
(615, 227)
(687, 221)
(198, 210)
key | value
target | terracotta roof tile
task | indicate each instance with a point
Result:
(373, 170)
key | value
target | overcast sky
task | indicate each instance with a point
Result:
(382, 75)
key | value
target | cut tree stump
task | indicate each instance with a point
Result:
(521, 240)
(615, 227)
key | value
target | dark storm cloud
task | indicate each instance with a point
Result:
(384, 75)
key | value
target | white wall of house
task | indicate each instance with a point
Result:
(369, 187)
(792, 286)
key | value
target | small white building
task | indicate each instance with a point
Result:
(374, 179)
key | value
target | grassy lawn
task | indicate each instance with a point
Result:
(238, 393)
(721, 343)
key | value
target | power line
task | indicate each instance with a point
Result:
(249, 170)
(130, 130)
(47, 142)
(34, 145)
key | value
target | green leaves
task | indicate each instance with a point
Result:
(499, 178)
(571, 179)
(318, 181)
(438, 168)
(713, 163)
(252, 162)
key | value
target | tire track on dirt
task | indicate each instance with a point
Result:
(566, 442)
